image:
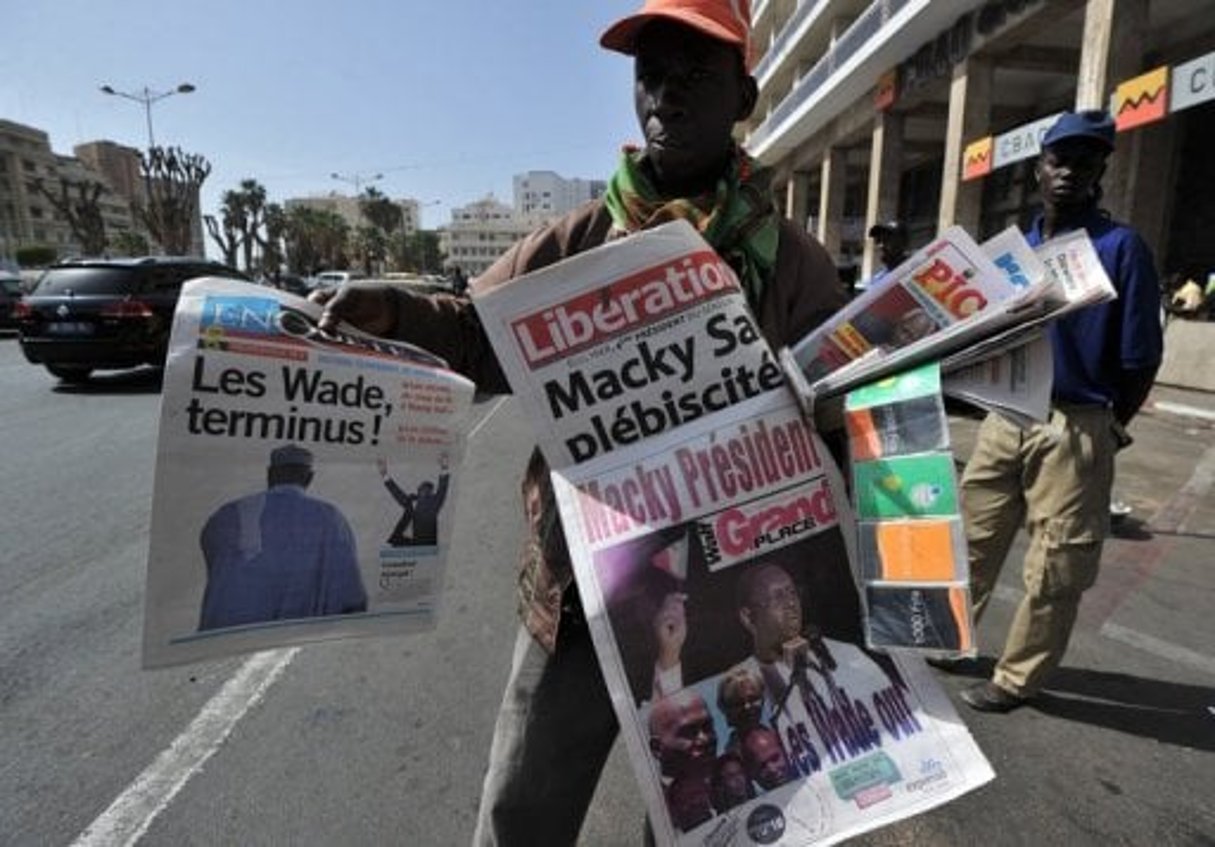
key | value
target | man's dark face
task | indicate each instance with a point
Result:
(682, 734)
(1069, 172)
(775, 611)
(734, 785)
(766, 760)
(689, 91)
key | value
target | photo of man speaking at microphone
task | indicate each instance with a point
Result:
(680, 615)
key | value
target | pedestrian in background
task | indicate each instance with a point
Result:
(891, 240)
(1055, 478)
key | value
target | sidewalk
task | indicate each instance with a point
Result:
(1120, 747)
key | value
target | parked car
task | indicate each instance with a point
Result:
(295, 284)
(10, 294)
(105, 314)
(335, 279)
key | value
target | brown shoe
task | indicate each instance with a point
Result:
(989, 697)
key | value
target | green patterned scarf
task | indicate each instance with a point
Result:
(737, 218)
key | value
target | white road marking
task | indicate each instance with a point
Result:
(1183, 409)
(1142, 641)
(1159, 647)
(497, 405)
(130, 815)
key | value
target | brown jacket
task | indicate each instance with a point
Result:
(804, 291)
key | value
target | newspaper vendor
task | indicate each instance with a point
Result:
(556, 725)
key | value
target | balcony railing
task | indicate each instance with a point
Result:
(800, 15)
(862, 30)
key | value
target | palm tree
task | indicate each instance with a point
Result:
(251, 197)
(380, 212)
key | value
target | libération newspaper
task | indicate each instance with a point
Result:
(713, 544)
(305, 480)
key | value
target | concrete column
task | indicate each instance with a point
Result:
(1112, 51)
(831, 201)
(885, 170)
(969, 118)
(1151, 165)
(797, 198)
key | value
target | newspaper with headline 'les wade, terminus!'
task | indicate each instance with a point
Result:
(711, 541)
(305, 481)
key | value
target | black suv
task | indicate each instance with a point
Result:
(95, 314)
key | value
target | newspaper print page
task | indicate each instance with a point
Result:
(305, 481)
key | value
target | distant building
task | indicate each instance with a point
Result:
(28, 218)
(549, 195)
(481, 232)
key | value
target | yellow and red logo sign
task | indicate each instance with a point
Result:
(976, 159)
(1142, 100)
(887, 90)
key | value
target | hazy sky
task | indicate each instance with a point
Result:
(447, 99)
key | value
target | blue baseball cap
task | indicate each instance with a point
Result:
(1094, 124)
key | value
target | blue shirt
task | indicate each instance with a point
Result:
(1094, 346)
(278, 554)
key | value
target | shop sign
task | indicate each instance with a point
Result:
(1022, 142)
(1193, 83)
(1141, 100)
(887, 88)
(976, 159)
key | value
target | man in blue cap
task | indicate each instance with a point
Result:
(1056, 477)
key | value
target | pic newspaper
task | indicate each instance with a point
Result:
(305, 481)
(712, 543)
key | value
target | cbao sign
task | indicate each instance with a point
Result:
(1023, 142)
(1193, 83)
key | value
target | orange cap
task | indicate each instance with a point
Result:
(725, 20)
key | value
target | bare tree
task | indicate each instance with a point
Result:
(172, 179)
(225, 231)
(82, 212)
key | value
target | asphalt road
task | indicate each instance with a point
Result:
(383, 741)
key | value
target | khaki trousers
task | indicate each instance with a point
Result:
(1055, 479)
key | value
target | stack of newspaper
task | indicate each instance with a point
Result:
(979, 310)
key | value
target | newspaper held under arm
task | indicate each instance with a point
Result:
(1021, 288)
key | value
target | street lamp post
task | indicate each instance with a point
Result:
(147, 97)
(357, 180)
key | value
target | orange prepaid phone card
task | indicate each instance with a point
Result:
(916, 551)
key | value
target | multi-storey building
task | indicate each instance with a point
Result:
(28, 217)
(932, 111)
(481, 232)
(548, 194)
